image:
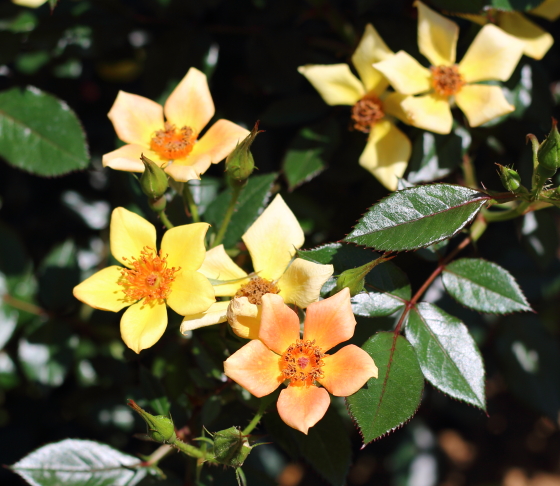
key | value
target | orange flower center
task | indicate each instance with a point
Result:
(301, 363)
(366, 113)
(149, 278)
(446, 80)
(256, 288)
(171, 143)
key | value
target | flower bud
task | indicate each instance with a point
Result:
(354, 278)
(510, 179)
(231, 447)
(160, 427)
(153, 180)
(240, 163)
(549, 151)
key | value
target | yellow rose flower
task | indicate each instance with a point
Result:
(174, 142)
(272, 241)
(149, 279)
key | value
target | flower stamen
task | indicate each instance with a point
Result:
(256, 288)
(171, 144)
(366, 113)
(446, 80)
(301, 363)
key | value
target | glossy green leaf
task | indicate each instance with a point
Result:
(74, 462)
(447, 353)
(484, 286)
(385, 403)
(154, 392)
(417, 217)
(40, 133)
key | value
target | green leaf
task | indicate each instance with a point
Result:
(447, 353)
(513, 5)
(387, 402)
(484, 286)
(154, 392)
(417, 217)
(40, 133)
(74, 462)
(309, 152)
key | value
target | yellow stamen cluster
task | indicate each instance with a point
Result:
(171, 143)
(149, 278)
(366, 113)
(301, 363)
(256, 288)
(446, 80)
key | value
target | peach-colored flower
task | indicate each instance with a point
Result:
(280, 354)
(173, 142)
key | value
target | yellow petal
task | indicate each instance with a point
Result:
(127, 158)
(129, 234)
(302, 282)
(536, 41)
(492, 55)
(29, 3)
(302, 407)
(481, 103)
(135, 118)
(101, 290)
(335, 83)
(191, 293)
(190, 104)
(392, 105)
(549, 9)
(219, 141)
(272, 240)
(244, 317)
(185, 246)
(218, 265)
(371, 49)
(405, 73)
(181, 172)
(437, 36)
(214, 315)
(143, 324)
(430, 112)
(386, 154)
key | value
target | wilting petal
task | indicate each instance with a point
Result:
(180, 171)
(346, 371)
(190, 104)
(330, 321)
(218, 265)
(143, 324)
(101, 290)
(386, 154)
(255, 367)
(244, 317)
(481, 103)
(129, 234)
(405, 73)
(272, 240)
(549, 9)
(492, 55)
(302, 282)
(184, 246)
(279, 324)
(335, 83)
(219, 141)
(430, 112)
(135, 118)
(302, 407)
(127, 158)
(214, 315)
(191, 293)
(437, 36)
(536, 41)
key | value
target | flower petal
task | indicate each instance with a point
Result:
(392, 105)
(135, 118)
(244, 317)
(255, 367)
(190, 104)
(143, 324)
(335, 83)
(219, 141)
(302, 282)
(536, 41)
(481, 103)
(279, 324)
(330, 321)
(129, 234)
(214, 315)
(405, 73)
(181, 172)
(437, 36)
(371, 49)
(191, 293)
(272, 240)
(386, 154)
(218, 265)
(302, 407)
(430, 112)
(347, 370)
(185, 246)
(549, 9)
(127, 158)
(101, 290)
(492, 55)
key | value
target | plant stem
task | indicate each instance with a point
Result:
(494, 216)
(256, 419)
(192, 451)
(165, 220)
(189, 200)
(158, 455)
(24, 306)
(236, 190)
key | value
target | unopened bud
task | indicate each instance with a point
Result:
(160, 427)
(354, 278)
(549, 151)
(231, 447)
(510, 179)
(240, 163)
(153, 180)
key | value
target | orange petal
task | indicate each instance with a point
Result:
(183, 170)
(255, 367)
(347, 370)
(279, 323)
(302, 407)
(126, 158)
(219, 141)
(330, 321)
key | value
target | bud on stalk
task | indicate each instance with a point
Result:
(160, 427)
(240, 163)
(153, 180)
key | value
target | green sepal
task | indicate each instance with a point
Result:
(231, 447)
(153, 180)
(240, 163)
(160, 427)
(354, 278)
(549, 151)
